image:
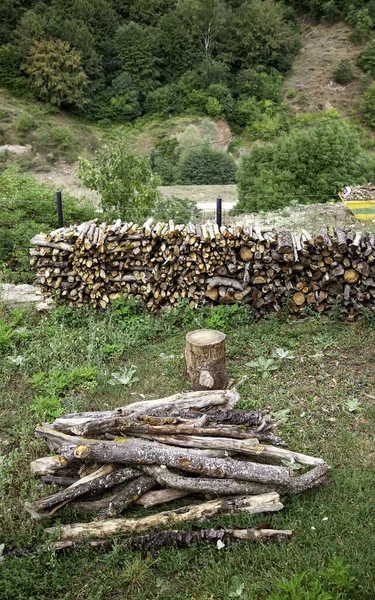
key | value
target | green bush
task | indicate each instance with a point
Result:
(25, 122)
(306, 166)
(360, 20)
(213, 107)
(29, 207)
(62, 136)
(343, 73)
(206, 166)
(366, 59)
(368, 105)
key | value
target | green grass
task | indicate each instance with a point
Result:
(69, 355)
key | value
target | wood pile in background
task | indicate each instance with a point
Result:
(226, 461)
(161, 263)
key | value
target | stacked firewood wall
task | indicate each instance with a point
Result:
(161, 263)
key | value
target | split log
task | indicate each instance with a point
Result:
(194, 513)
(205, 359)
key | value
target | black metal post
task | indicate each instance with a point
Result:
(60, 218)
(219, 206)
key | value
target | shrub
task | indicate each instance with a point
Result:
(55, 72)
(206, 166)
(291, 93)
(124, 179)
(366, 59)
(213, 107)
(368, 105)
(62, 136)
(343, 73)
(29, 207)
(361, 22)
(306, 166)
(25, 122)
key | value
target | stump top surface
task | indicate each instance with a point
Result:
(204, 337)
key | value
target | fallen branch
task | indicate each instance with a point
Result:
(99, 529)
(152, 542)
(126, 496)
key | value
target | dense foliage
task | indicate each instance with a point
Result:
(27, 208)
(124, 179)
(119, 59)
(307, 166)
(205, 165)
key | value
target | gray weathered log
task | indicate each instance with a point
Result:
(193, 513)
(126, 496)
(152, 542)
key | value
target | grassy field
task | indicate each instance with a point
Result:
(323, 399)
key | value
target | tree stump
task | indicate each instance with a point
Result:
(205, 359)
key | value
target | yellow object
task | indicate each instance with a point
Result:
(361, 209)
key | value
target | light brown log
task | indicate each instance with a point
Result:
(195, 513)
(48, 465)
(351, 276)
(205, 359)
(299, 298)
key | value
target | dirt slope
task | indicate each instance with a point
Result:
(322, 48)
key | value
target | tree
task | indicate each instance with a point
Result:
(206, 166)
(207, 19)
(55, 72)
(137, 51)
(262, 36)
(305, 166)
(124, 180)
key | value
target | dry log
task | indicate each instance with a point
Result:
(201, 485)
(152, 542)
(147, 500)
(77, 422)
(140, 452)
(127, 495)
(194, 513)
(104, 478)
(48, 465)
(248, 446)
(162, 262)
(205, 359)
(63, 481)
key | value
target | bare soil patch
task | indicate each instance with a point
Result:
(322, 49)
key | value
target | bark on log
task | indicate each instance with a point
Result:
(101, 529)
(140, 452)
(248, 446)
(205, 359)
(201, 485)
(106, 477)
(147, 500)
(153, 542)
(76, 422)
(126, 496)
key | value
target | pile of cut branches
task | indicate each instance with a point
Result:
(147, 453)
